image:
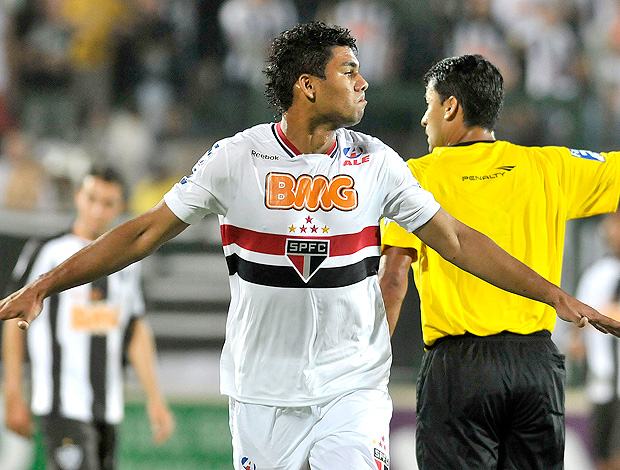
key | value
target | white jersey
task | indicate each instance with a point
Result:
(301, 238)
(599, 287)
(77, 344)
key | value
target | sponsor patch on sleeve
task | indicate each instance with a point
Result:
(587, 154)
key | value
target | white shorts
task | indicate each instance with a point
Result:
(348, 433)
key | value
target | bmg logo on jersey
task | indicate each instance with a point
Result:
(247, 464)
(285, 191)
(307, 255)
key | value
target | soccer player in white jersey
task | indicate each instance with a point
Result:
(307, 353)
(77, 347)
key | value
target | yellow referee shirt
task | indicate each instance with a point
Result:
(521, 198)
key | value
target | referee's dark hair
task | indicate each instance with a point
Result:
(110, 175)
(475, 82)
(306, 48)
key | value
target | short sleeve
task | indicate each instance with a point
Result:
(205, 190)
(591, 181)
(407, 203)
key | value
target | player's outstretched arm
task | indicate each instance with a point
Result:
(121, 246)
(477, 254)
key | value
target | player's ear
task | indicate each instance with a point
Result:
(305, 84)
(451, 107)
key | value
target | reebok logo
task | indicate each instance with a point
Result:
(256, 154)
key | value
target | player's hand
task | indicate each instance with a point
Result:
(572, 310)
(18, 418)
(25, 304)
(162, 421)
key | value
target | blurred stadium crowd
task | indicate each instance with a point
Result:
(127, 82)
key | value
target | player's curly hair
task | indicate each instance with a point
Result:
(475, 82)
(306, 48)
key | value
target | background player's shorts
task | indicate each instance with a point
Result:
(348, 433)
(605, 430)
(75, 445)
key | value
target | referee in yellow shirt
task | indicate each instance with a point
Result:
(491, 386)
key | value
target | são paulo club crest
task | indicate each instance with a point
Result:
(247, 464)
(307, 255)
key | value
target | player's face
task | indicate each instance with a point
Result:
(340, 97)
(98, 203)
(433, 119)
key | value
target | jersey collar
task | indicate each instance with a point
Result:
(471, 142)
(288, 146)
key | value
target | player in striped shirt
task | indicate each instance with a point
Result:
(78, 347)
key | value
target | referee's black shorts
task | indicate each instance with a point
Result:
(494, 402)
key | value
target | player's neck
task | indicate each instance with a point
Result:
(306, 137)
(472, 134)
